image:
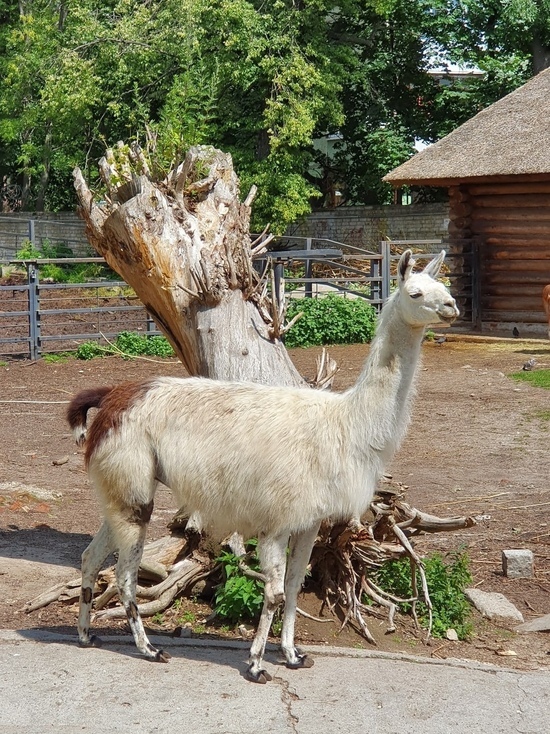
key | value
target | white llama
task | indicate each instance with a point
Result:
(261, 460)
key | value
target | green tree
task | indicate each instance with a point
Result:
(260, 80)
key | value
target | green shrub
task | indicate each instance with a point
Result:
(28, 251)
(63, 272)
(446, 583)
(138, 344)
(89, 350)
(239, 597)
(330, 320)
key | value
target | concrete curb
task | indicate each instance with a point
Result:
(22, 636)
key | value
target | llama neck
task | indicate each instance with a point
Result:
(380, 400)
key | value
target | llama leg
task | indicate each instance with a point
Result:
(92, 560)
(130, 541)
(300, 552)
(272, 553)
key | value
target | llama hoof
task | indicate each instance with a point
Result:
(93, 641)
(262, 676)
(162, 656)
(304, 661)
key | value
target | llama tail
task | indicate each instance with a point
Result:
(79, 406)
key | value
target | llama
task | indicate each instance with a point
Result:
(546, 305)
(261, 460)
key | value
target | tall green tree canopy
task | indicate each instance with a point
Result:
(260, 80)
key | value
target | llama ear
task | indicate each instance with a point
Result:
(434, 266)
(406, 264)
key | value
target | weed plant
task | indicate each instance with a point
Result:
(239, 597)
(63, 273)
(446, 578)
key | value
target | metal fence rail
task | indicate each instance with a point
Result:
(356, 272)
(38, 316)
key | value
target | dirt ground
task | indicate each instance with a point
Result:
(477, 445)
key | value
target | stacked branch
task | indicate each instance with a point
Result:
(346, 559)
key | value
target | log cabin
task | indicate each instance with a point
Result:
(496, 167)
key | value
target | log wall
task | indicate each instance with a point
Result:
(499, 235)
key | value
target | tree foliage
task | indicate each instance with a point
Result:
(260, 80)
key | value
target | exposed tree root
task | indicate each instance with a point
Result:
(344, 560)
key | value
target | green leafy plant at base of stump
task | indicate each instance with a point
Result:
(239, 598)
(330, 320)
(446, 578)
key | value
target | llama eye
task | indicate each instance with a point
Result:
(417, 294)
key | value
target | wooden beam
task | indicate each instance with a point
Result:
(511, 278)
(511, 316)
(513, 243)
(519, 214)
(519, 180)
(529, 251)
(512, 185)
(531, 228)
(495, 265)
(507, 199)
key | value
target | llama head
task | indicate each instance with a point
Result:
(424, 300)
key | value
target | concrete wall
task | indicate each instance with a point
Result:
(65, 227)
(365, 226)
(362, 226)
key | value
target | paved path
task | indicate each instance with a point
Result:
(49, 684)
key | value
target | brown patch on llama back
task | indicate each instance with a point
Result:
(113, 406)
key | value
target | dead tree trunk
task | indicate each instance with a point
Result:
(183, 244)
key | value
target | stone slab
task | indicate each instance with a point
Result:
(493, 605)
(540, 624)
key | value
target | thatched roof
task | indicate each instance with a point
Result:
(509, 138)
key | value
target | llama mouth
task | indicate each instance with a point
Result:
(447, 319)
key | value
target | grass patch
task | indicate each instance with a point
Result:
(536, 378)
(58, 358)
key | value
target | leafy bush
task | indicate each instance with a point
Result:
(65, 272)
(138, 344)
(89, 350)
(240, 597)
(446, 583)
(330, 320)
(129, 344)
